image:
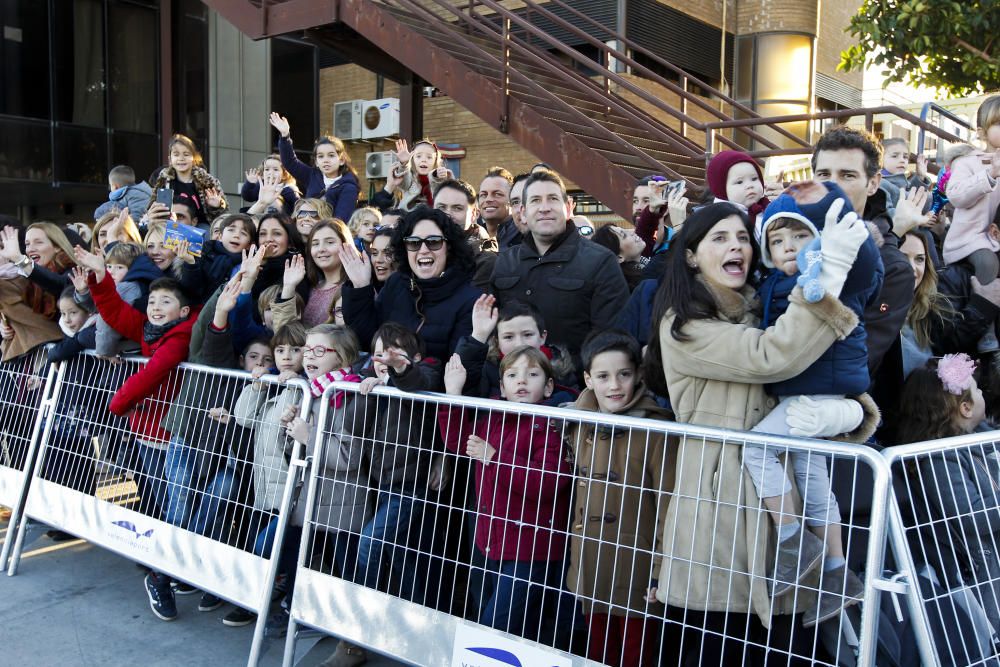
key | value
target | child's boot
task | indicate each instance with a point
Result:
(797, 556)
(838, 588)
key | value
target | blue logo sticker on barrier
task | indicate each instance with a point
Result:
(129, 526)
(477, 646)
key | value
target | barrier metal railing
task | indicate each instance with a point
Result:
(945, 530)
(545, 552)
(192, 503)
(25, 384)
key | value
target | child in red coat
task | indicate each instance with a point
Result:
(164, 333)
(522, 499)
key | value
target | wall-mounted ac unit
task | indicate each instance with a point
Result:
(380, 118)
(378, 165)
(347, 119)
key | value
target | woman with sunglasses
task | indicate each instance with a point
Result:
(308, 212)
(431, 292)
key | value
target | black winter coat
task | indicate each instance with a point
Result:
(439, 309)
(971, 316)
(884, 317)
(577, 285)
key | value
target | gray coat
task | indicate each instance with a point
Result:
(342, 489)
(961, 486)
(261, 410)
(134, 197)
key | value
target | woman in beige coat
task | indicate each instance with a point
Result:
(717, 539)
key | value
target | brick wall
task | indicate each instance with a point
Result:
(833, 39)
(707, 11)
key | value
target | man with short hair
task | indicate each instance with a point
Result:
(517, 209)
(458, 200)
(852, 158)
(184, 212)
(494, 206)
(576, 285)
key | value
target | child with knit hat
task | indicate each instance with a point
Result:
(736, 177)
(791, 237)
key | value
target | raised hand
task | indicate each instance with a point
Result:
(252, 175)
(295, 273)
(677, 207)
(484, 317)
(91, 261)
(479, 449)
(228, 296)
(253, 257)
(157, 212)
(443, 174)
(183, 252)
(11, 250)
(393, 181)
(356, 265)
(807, 192)
(213, 198)
(402, 151)
(909, 212)
(270, 188)
(116, 226)
(79, 278)
(922, 166)
(280, 123)
(393, 357)
(454, 376)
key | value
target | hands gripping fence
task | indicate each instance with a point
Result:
(393, 520)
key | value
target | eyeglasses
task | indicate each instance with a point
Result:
(585, 231)
(319, 351)
(307, 214)
(433, 243)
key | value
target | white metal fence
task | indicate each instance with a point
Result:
(413, 545)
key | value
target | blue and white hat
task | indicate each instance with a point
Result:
(812, 216)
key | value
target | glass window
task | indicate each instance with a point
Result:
(132, 67)
(78, 49)
(24, 58)
(139, 151)
(293, 90)
(25, 150)
(191, 70)
(784, 67)
(81, 155)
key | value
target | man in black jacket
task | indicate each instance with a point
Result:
(577, 285)
(852, 158)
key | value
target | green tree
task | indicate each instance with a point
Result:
(949, 44)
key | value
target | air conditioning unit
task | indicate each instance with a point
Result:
(378, 165)
(347, 119)
(380, 118)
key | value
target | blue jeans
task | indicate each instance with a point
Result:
(179, 468)
(391, 533)
(513, 592)
(152, 462)
(208, 519)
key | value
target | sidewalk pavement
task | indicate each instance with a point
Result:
(73, 604)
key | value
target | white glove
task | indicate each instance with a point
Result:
(823, 418)
(841, 241)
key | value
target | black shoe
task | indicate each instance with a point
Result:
(161, 598)
(210, 602)
(180, 588)
(60, 536)
(239, 617)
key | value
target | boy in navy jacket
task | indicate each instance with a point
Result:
(790, 246)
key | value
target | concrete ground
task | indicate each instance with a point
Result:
(73, 604)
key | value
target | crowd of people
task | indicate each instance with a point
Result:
(860, 306)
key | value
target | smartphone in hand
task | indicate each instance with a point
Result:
(165, 196)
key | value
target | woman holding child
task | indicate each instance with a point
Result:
(716, 363)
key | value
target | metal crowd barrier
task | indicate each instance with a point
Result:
(25, 384)
(432, 589)
(945, 533)
(187, 508)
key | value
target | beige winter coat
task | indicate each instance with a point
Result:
(714, 535)
(622, 485)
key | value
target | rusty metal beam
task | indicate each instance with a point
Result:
(243, 14)
(411, 109)
(595, 174)
(295, 15)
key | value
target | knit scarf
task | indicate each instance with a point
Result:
(40, 301)
(318, 384)
(154, 332)
(425, 189)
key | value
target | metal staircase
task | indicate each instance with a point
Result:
(579, 113)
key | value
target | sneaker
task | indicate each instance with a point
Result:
(180, 588)
(346, 655)
(797, 556)
(239, 617)
(161, 598)
(210, 602)
(838, 589)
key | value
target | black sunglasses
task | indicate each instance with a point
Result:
(433, 243)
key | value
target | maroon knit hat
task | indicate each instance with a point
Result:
(719, 166)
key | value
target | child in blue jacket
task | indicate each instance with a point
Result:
(791, 246)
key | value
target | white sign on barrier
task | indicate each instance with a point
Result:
(477, 647)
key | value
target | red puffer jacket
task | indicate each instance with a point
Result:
(523, 502)
(149, 392)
